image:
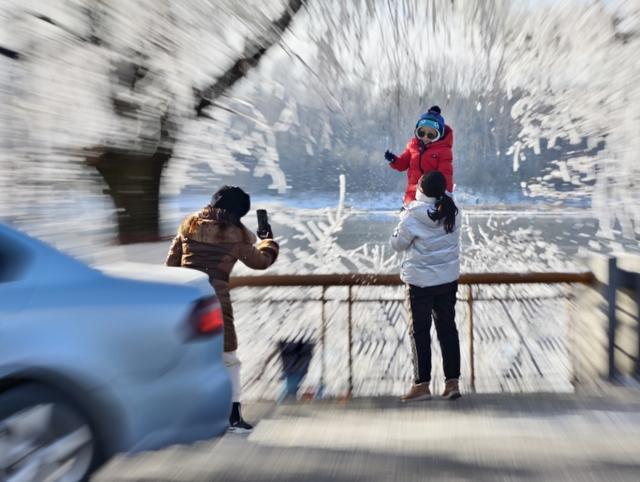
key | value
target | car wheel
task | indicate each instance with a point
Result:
(44, 437)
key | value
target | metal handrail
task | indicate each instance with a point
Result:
(362, 279)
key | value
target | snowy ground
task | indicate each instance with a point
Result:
(480, 438)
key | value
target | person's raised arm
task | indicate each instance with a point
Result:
(259, 256)
(401, 162)
(403, 236)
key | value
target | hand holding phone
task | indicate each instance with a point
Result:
(264, 228)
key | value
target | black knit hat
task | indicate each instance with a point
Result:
(232, 199)
(433, 184)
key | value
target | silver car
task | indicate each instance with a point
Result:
(96, 362)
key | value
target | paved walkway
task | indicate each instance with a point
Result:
(480, 438)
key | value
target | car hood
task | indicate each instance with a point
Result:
(159, 274)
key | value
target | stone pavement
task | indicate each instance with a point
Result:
(480, 437)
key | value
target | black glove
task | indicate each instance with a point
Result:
(389, 156)
(268, 234)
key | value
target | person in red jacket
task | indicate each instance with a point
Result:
(430, 150)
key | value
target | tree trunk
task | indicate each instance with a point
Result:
(133, 181)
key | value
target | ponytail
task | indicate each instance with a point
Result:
(433, 184)
(445, 212)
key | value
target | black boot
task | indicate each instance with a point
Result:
(236, 423)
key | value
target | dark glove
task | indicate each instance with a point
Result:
(268, 234)
(389, 156)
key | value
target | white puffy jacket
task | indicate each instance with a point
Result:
(432, 256)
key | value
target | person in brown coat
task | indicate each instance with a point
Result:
(211, 241)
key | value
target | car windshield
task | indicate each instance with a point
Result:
(13, 258)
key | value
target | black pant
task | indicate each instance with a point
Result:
(441, 300)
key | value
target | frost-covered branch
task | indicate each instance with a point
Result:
(253, 52)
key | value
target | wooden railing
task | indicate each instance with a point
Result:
(357, 279)
(394, 279)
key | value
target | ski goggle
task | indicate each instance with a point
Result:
(427, 130)
(427, 133)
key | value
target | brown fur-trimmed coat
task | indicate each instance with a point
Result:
(211, 242)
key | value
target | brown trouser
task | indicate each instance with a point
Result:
(224, 297)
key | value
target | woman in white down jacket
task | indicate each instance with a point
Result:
(429, 235)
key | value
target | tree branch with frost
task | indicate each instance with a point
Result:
(253, 53)
(12, 54)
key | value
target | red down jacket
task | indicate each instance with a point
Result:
(418, 160)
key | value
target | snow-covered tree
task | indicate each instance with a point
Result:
(110, 84)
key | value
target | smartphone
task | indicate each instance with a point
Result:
(263, 220)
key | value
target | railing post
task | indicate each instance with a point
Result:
(570, 297)
(350, 303)
(472, 362)
(610, 295)
(323, 335)
(637, 293)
